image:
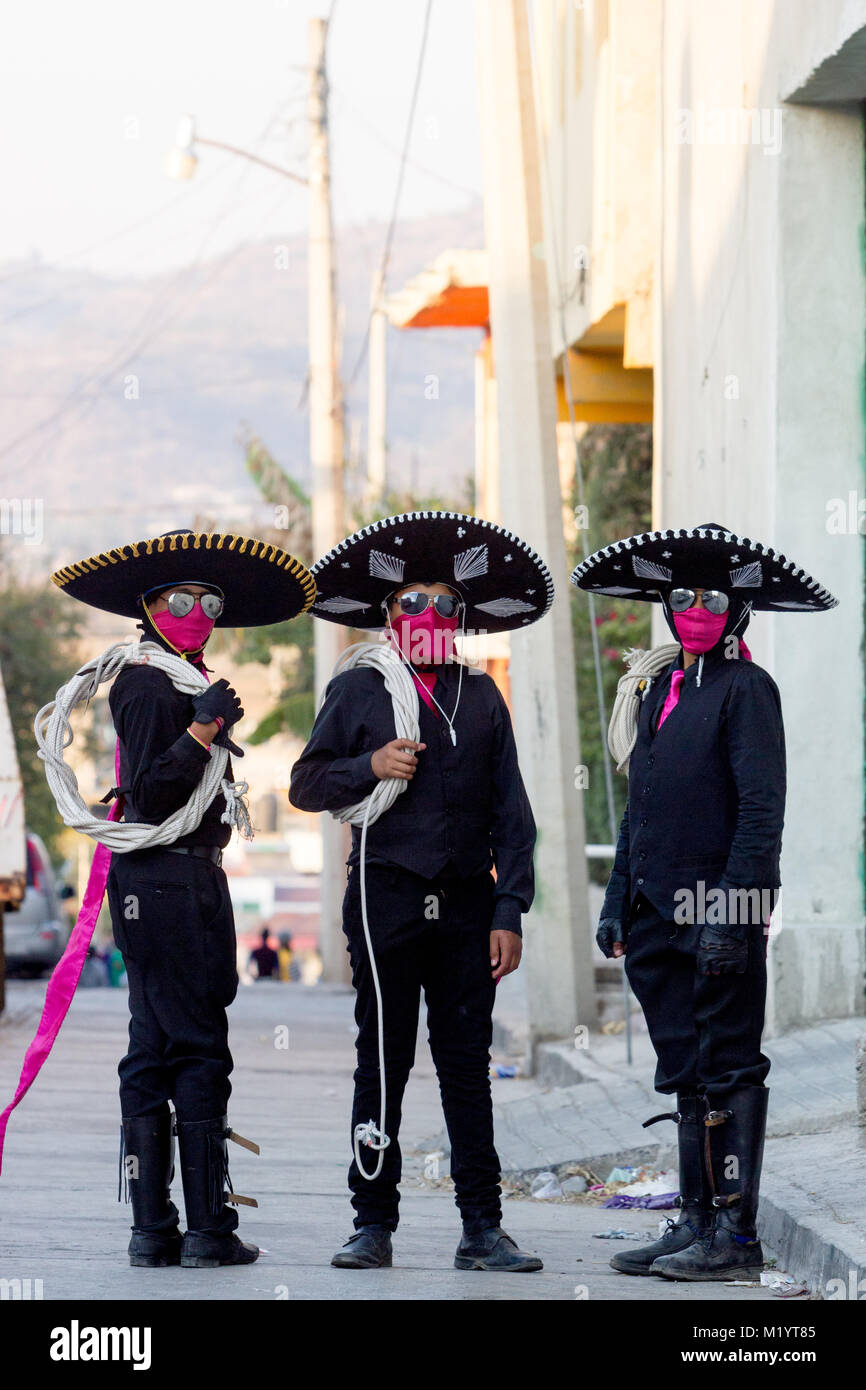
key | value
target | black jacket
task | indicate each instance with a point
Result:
(464, 811)
(160, 763)
(706, 793)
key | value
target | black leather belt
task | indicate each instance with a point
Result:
(212, 852)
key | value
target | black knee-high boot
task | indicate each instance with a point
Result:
(734, 1146)
(147, 1166)
(694, 1217)
(210, 1239)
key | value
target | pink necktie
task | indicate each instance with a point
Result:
(673, 696)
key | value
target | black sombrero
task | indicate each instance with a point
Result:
(502, 581)
(260, 582)
(708, 555)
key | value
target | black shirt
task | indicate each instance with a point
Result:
(464, 811)
(160, 763)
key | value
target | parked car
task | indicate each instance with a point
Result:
(36, 934)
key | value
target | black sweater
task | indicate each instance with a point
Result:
(464, 811)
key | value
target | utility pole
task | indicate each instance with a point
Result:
(326, 458)
(560, 985)
(377, 405)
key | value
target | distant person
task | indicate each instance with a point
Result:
(265, 959)
(285, 956)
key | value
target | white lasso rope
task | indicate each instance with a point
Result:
(401, 687)
(642, 666)
(54, 734)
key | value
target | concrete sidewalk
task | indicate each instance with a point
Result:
(585, 1104)
(60, 1221)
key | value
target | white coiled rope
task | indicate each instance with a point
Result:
(54, 734)
(642, 666)
(401, 688)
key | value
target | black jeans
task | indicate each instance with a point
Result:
(174, 926)
(706, 1029)
(430, 934)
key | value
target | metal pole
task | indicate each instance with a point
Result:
(326, 456)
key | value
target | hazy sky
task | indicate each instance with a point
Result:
(91, 94)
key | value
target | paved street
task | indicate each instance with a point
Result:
(60, 1221)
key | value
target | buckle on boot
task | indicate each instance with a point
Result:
(726, 1201)
(717, 1117)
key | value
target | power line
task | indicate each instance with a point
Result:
(84, 405)
(389, 238)
(395, 150)
(74, 401)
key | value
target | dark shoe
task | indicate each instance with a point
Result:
(734, 1144)
(493, 1248)
(210, 1239)
(678, 1236)
(368, 1248)
(204, 1251)
(146, 1171)
(695, 1215)
(718, 1255)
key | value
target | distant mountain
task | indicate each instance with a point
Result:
(128, 395)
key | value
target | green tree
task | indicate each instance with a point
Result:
(617, 473)
(38, 632)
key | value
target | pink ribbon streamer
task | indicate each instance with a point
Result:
(66, 973)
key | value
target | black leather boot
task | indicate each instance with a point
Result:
(734, 1147)
(368, 1248)
(493, 1248)
(695, 1214)
(147, 1168)
(210, 1239)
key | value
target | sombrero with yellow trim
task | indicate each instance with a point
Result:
(260, 582)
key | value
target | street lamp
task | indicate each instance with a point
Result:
(182, 160)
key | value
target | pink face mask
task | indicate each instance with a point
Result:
(425, 639)
(698, 629)
(187, 634)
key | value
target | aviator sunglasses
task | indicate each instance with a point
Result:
(413, 603)
(715, 601)
(180, 604)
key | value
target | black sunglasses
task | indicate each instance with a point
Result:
(715, 600)
(413, 603)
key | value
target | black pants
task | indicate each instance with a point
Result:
(430, 934)
(174, 926)
(706, 1029)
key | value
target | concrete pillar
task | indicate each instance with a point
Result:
(817, 957)
(558, 963)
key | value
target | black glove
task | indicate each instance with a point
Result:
(224, 741)
(610, 930)
(219, 701)
(721, 953)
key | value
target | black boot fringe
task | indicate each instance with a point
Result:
(122, 1177)
(219, 1178)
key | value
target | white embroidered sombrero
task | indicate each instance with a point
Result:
(502, 581)
(711, 556)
